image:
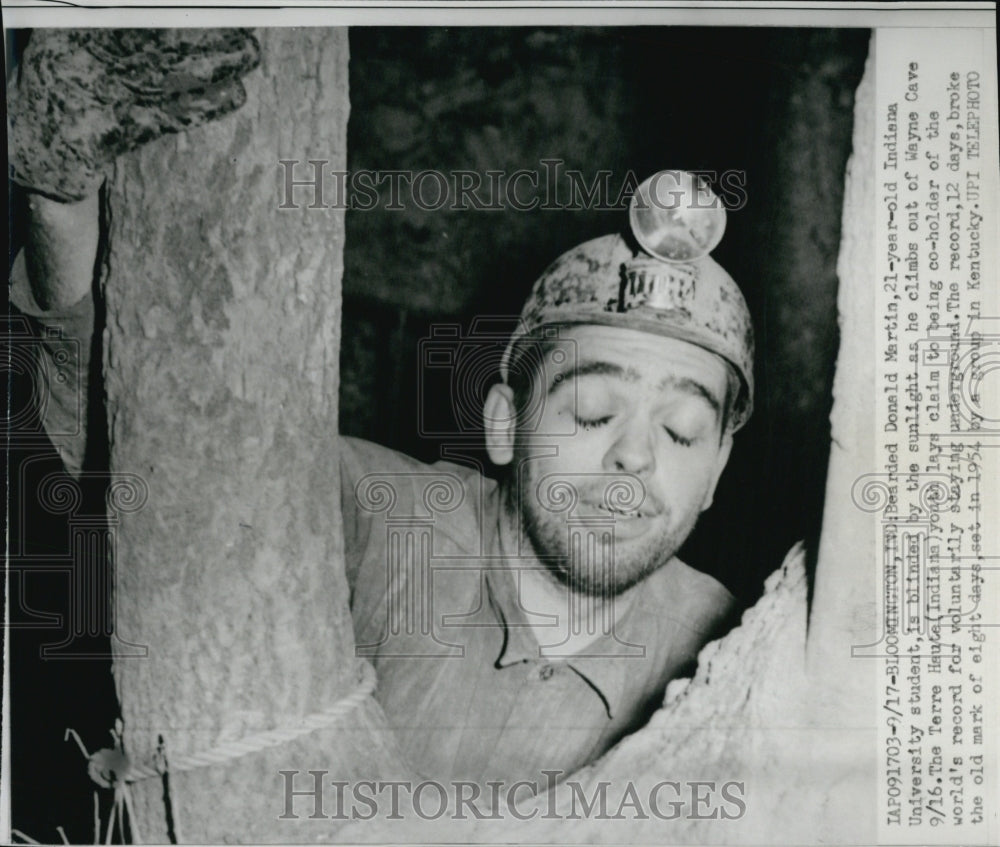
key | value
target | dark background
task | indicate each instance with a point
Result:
(775, 103)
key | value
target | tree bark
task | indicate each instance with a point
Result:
(221, 361)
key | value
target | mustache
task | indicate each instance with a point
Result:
(621, 494)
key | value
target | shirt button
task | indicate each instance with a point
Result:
(546, 671)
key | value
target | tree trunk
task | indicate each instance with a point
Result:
(221, 361)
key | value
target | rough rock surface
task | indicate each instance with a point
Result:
(85, 96)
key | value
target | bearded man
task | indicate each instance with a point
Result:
(519, 627)
(528, 624)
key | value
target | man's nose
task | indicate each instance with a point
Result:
(632, 451)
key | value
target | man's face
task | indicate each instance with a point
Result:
(631, 426)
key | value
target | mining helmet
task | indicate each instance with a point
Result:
(665, 284)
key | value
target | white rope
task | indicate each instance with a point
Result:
(112, 768)
(229, 750)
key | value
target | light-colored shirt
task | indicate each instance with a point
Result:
(436, 607)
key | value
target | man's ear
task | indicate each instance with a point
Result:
(725, 447)
(500, 423)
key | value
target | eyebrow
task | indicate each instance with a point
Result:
(694, 388)
(593, 368)
(600, 368)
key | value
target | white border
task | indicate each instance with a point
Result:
(261, 13)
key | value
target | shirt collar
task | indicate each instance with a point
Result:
(604, 665)
(611, 662)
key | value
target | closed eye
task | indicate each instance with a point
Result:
(592, 423)
(678, 438)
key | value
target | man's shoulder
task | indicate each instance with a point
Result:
(380, 479)
(367, 456)
(689, 596)
(361, 458)
(390, 498)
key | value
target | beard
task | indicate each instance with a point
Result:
(588, 556)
